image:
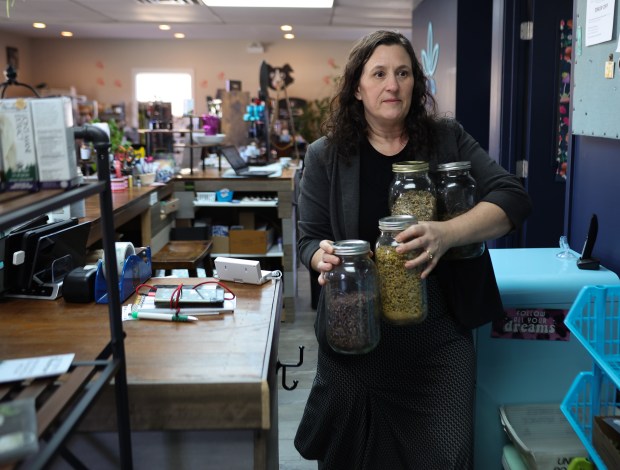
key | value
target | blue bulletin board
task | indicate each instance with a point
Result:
(596, 99)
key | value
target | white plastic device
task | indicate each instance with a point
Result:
(240, 270)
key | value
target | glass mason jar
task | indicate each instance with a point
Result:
(403, 293)
(352, 299)
(412, 192)
(456, 194)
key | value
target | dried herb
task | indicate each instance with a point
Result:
(349, 322)
(403, 293)
(422, 204)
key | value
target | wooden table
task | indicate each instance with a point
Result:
(217, 373)
(128, 204)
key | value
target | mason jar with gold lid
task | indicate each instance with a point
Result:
(412, 192)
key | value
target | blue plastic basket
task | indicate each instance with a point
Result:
(594, 319)
(591, 394)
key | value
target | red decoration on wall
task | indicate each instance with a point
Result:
(332, 63)
(204, 83)
(327, 79)
(99, 64)
(221, 76)
(118, 83)
(100, 81)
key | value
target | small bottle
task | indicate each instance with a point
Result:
(456, 194)
(403, 292)
(353, 307)
(412, 192)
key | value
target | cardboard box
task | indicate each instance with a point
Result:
(606, 439)
(251, 241)
(52, 120)
(17, 145)
(220, 244)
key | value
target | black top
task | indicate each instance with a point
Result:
(374, 201)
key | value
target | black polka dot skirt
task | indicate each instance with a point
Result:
(408, 404)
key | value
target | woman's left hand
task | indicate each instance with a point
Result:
(428, 239)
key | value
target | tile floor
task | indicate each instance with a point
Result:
(291, 403)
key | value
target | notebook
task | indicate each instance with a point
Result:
(239, 165)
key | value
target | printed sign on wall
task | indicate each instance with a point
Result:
(532, 323)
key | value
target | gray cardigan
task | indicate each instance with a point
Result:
(330, 188)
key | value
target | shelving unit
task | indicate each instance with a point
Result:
(279, 209)
(60, 407)
(191, 146)
(594, 319)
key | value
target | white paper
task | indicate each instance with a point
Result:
(33, 367)
(599, 21)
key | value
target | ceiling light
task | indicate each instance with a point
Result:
(270, 3)
(289, 36)
(39, 25)
(66, 34)
(286, 27)
(164, 27)
(179, 35)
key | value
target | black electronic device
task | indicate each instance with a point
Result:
(15, 258)
(9, 244)
(59, 253)
(79, 285)
(30, 240)
(586, 261)
(240, 166)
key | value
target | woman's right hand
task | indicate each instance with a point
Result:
(324, 260)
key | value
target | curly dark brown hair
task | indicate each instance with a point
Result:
(346, 124)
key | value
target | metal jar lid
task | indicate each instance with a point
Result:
(397, 222)
(452, 166)
(351, 247)
(409, 166)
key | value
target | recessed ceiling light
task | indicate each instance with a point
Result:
(289, 36)
(286, 27)
(66, 34)
(39, 25)
(270, 3)
(164, 27)
(179, 35)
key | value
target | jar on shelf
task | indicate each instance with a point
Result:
(352, 299)
(456, 194)
(412, 192)
(403, 292)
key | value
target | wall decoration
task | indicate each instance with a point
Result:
(564, 64)
(430, 58)
(12, 57)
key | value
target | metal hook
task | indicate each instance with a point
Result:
(284, 366)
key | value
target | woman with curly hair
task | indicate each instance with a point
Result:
(408, 403)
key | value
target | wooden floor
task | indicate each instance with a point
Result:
(291, 403)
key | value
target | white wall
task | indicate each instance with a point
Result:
(102, 69)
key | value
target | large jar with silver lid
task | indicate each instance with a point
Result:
(403, 292)
(412, 192)
(456, 194)
(352, 299)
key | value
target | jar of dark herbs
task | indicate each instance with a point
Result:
(412, 192)
(456, 194)
(352, 299)
(403, 292)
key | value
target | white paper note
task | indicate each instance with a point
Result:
(599, 21)
(33, 367)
